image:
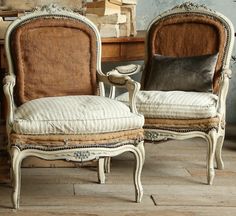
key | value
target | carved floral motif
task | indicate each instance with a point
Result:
(54, 8)
(156, 136)
(81, 155)
(191, 6)
(51, 8)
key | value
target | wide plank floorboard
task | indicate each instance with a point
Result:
(174, 181)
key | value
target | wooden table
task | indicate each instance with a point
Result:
(123, 48)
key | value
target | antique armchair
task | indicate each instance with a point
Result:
(185, 78)
(57, 107)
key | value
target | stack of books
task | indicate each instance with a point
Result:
(114, 18)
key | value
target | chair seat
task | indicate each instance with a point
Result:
(174, 104)
(74, 115)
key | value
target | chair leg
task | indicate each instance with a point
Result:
(11, 175)
(142, 149)
(139, 156)
(16, 177)
(210, 157)
(219, 161)
(101, 173)
(107, 164)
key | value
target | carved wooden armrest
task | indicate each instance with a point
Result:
(118, 80)
(122, 81)
(126, 70)
(8, 85)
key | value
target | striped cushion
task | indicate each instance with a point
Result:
(74, 115)
(174, 104)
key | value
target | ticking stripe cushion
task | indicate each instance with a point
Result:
(74, 115)
(174, 104)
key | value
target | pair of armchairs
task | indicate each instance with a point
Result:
(55, 92)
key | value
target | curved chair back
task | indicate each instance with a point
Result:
(190, 30)
(53, 55)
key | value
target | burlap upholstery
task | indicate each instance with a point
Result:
(186, 35)
(183, 124)
(70, 141)
(40, 52)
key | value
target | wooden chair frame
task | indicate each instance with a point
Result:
(79, 154)
(214, 137)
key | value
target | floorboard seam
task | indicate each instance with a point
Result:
(153, 200)
(74, 189)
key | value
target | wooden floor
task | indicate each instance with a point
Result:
(174, 180)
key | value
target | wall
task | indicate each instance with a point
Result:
(148, 9)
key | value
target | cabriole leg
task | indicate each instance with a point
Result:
(101, 173)
(139, 156)
(16, 176)
(212, 141)
(219, 161)
(107, 164)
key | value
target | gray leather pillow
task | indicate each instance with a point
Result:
(183, 74)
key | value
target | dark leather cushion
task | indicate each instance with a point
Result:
(193, 73)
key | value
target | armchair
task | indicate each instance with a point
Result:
(57, 107)
(183, 93)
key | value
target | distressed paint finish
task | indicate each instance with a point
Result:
(80, 153)
(148, 9)
(214, 137)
